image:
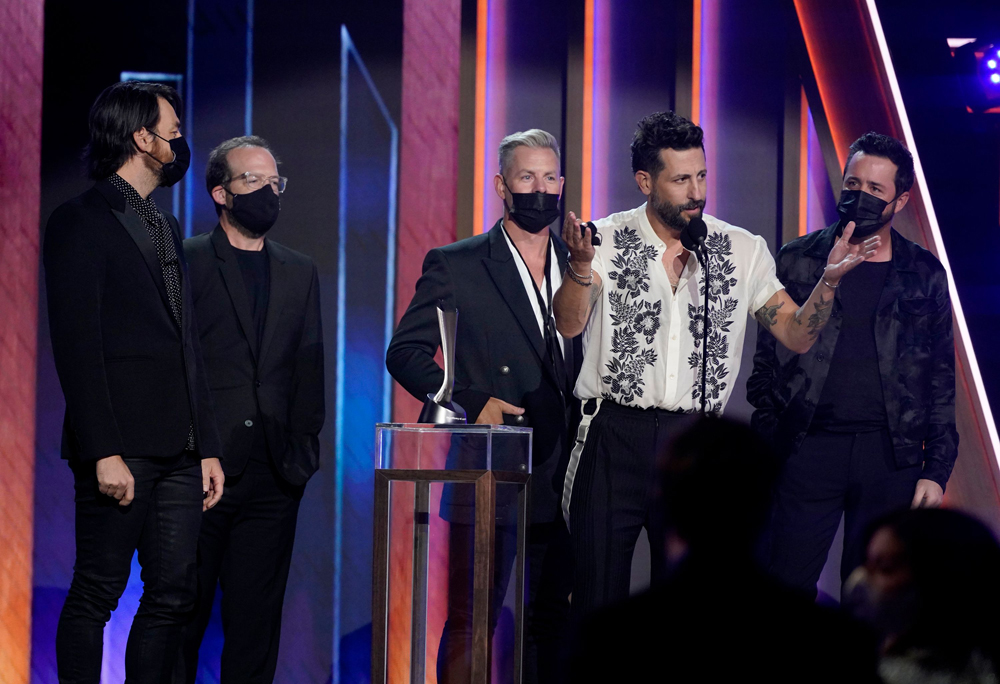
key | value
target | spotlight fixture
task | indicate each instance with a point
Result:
(977, 62)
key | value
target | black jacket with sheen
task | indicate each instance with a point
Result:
(916, 356)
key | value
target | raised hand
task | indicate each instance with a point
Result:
(577, 239)
(844, 256)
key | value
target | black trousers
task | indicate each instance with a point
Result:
(245, 548)
(549, 580)
(162, 524)
(613, 499)
(833, 474)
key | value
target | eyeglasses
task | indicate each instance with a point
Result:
(255, 182)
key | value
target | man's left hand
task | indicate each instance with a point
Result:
(928, 495)
(212, 479)
(844, 256)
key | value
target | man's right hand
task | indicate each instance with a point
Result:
(114, 479)
(577, 239)
(492, 413)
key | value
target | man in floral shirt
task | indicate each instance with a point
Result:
(638, 298)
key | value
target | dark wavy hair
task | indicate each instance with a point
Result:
(879, 145)
(659, 131)
(117, 113)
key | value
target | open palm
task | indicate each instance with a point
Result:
(844, 256)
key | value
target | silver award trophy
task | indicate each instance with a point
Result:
(439, 408)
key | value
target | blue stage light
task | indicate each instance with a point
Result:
(992, 64)
(995, 78)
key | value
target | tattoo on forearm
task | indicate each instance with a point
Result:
(820, 316)
(594, 294)
(767, 315)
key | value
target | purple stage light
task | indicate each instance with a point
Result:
(995, 78)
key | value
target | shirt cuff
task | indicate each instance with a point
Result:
(772, 287)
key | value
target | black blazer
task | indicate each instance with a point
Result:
(284, 378)
(133, 381)
(916, 356)
(499, 351)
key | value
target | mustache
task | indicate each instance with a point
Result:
(696, 204)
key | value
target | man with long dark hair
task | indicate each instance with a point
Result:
(139, 433)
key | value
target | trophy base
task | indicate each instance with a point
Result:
(449, 413)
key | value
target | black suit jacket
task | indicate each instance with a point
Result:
(916, 356)
(133, 381)
(284, 378)
(499, 351)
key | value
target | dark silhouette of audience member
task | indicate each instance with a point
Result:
(717, 617)
(929, 586)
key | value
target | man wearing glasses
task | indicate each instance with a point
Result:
(257, 304)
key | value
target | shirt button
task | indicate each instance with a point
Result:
(248, 422)
(257, 383)
(519, 420)
(673, 337)
(820, 357)
(672, 375)
(504, 370)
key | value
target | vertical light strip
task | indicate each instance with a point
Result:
(338, 478)
(803, 163)
(347, 52)
(248, 97)
(188, 120)
(479, 155)
(587, 146)
(911, 144)
(696, 62)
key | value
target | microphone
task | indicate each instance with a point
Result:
(595, 237)
(694, 234)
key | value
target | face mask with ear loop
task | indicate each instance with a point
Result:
(174, 170)
(864, 209)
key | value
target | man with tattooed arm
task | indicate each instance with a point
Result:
(878, 433)
(637, 298)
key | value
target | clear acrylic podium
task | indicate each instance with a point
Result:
(450, 526)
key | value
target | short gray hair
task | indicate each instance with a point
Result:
(536, 137)
(218, 171)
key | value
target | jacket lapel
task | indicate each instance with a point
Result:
(136, 229)
(562, 258)
(230, 270)
(503, 271)
(275, 300)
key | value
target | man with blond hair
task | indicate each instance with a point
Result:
(512, 368)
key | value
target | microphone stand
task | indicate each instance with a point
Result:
(693, 239)
(702, 255)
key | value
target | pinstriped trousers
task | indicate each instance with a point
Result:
(610, 497)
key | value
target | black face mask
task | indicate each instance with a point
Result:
(864, 209)
(532, 211)
(256, 211)
(173, 171)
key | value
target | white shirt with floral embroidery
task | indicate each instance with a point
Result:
(642, 346)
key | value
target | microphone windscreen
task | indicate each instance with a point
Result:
(699, 231)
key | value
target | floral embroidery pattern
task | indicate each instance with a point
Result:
(721, 308)
(634, 319)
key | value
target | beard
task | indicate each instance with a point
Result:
(670, 214)
(155, 168)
